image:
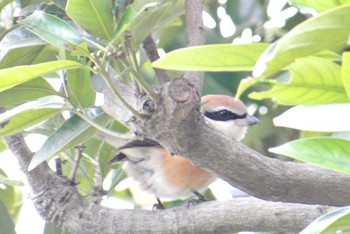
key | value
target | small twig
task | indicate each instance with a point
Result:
(195, 36)
(151, 50)
(79, 154)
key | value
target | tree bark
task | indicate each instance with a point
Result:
(59, 203)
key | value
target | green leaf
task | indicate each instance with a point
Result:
(19, 37)
(94, 16)
(72, 132)
(337, 221)
(151, 17)
(313, 81)
(27, 91)
(27, 119)
(52, 101)
(328, 31)
(52, 229)
(80, 90)
(6, 223)
(52, 29)
(345, 71)
(327, 152)
(22, 74)
(223, 57)
(318, 118)
(20, 56)
(318, 5)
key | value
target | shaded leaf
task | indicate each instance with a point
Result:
(328, 31)
(52, 229)
(51, 29)
(319, 118)
(72, 132)
(327, 152)
(336, 221)
(19, 37)
(318, 5)
(345, 71)
(22, 74)
(27, 119)
(6, 223)
(94, 16)
(313, 81)
(27, 91)
(20, 56)
(223, 57)
(52, 101)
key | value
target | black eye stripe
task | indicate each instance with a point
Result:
(223, 115)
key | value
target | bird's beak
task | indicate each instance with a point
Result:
(251, 120)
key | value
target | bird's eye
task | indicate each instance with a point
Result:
(223, 115)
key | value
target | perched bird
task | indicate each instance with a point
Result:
(173, 176)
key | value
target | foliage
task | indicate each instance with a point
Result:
(82, 45)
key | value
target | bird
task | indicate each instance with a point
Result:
(173, 177)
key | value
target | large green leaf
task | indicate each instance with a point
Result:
(52, 101)
(19, 37)
(327, 152)
(27, 119)
(74, 131)
(345, 70)
(27, 91)
(328, 31)
(94, 16)
(337, 221)
(22, 74)
(223, 57)
(313, 81)
(52, 29)
(318, 118)
(6, 223)
(318, 5)
(19, 56)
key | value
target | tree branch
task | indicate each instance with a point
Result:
(179, 126)
(195, 36)
(60, 203)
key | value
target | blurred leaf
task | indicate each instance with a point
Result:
(94, 16)
(60, 3)
(27, 91)
(74, 131)
(54, 102)
(52, 29)
(318, 5)
(151, 17)
(313, 81)
(27, 119)
(3, 3)
(6, 223)
(327, 152)
(5, 180)
(345, 71)
(328, 31)
(52, 229)
(223, 57)
(22, 74)
(319, 118)
(19, 37)
(3, 146)
(337, 221)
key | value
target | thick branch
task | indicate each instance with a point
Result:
(195, 36)
(61, 204)
(178, 125)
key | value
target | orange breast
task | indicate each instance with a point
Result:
(181, 173)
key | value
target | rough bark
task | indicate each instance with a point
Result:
(60, 203)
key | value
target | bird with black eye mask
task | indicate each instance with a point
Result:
(173, 176)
